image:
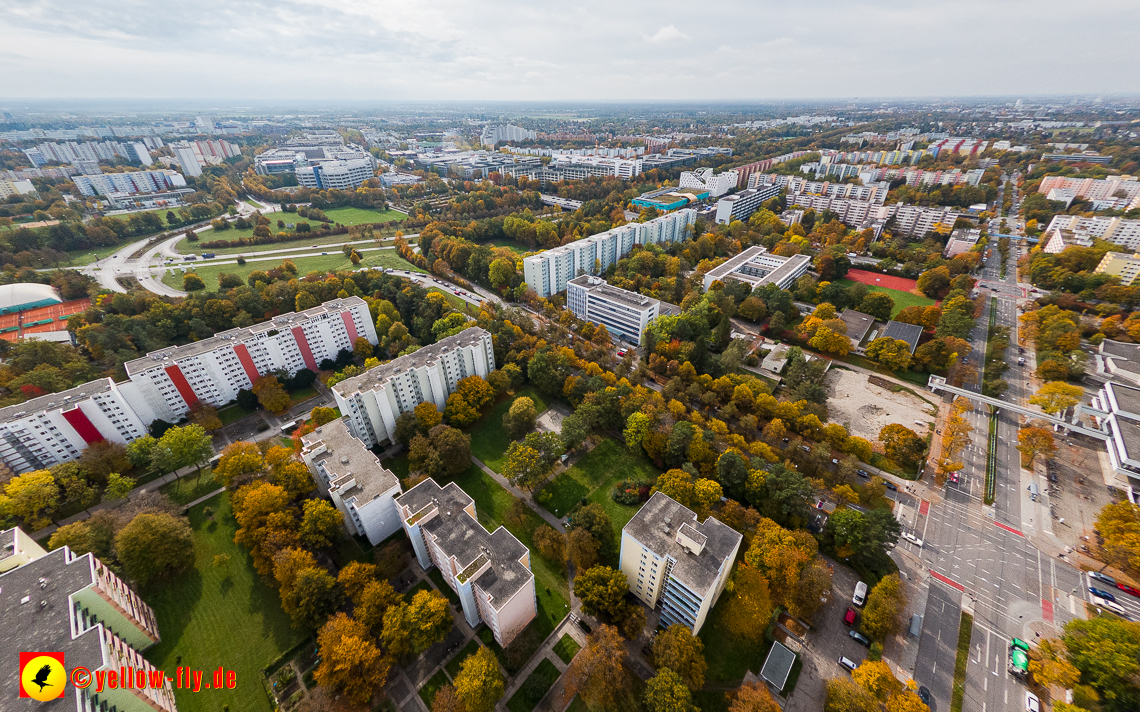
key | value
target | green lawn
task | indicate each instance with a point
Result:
(566, 648)
(301, 395)
(334, 261)
(78, 258)
(437, 578)
(535, 688)
(432, 686)
(489, 440)
(212, 616)
(593, 476)
(902, 299)
(184, 491)
(728, 655)
(421, 586)
(471, 648)
(344, 216)
(233, 413)
(512, 245)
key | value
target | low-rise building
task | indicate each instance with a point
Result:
(73, 604)
(962, 240)
(1118, 264)
(675, 562)
(909, 333)
(858, 324)
(373, 400)
(623, 313)
(756, 266)
(351, 476)
(490, 571)
(702, 179)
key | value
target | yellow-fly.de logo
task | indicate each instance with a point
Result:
(42, 676)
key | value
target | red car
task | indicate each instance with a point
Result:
(1128, 589)
(849, 619)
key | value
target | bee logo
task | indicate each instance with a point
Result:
(42, 676)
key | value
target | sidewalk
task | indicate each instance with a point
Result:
(524, 496)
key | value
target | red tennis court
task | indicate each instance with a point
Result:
(49, 316)
(882, 280)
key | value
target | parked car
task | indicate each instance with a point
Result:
(851, 664)
(1103, 594)
(862, 473)
(849, 619)
(1110, 605)
(860, 593)
(1032, 704)
(860, 638)
(1103, 578)
(924, 695)
(1129, 589)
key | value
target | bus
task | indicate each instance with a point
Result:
(1018, 657)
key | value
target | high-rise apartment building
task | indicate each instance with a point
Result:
(625, 314)
(373, 400)
(490, 571)
(135, 182)
(73, 604)
(675, 562)
(740, 206)
(1125, 233)
(507, 132)
(1118, 264)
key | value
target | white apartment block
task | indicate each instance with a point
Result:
(1056, 241)
(549, 271)
(623, 313)
(618, 167)
(62, 602)
(1127, 187)
(349, 474)
(135, 182)
(703, 179)
(55, 428)
(15, 187)
(674, 562)
(507, 132)
(916, 221)
(373, 400)
(1125, 233)
(740, 206)
(875, 193)
(167, 383)
(1118, 264)
(341, 175)
(70, 152)
(490, 571)
(184, 154)
(756, 267)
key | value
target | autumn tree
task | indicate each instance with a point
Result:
(31, 497)
(582, 549)
(1032, 441)
(350, 662)
(1119, 524)
(354, 577)
(475, 390)
(845, 695)
(313, 598)
(479, 683)
(525, 466)
(599, 668)
(677, 649)
(882, 616)
(902, 444)
(448, 699)
(1057, 396)
(459, 412)
(520, 418)
(831, 342)
(373, 602)
(666, 692)
(427, 416)
(321, 415)
(154, 544)
(102, 458)
(320, 524)
(1049, 664)
(551, 544)
(601, 590)
(748, 606)
(753, 697)
(875, 677)
(892, 353)
(271, 394)
(238, 463)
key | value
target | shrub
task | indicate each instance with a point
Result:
(630, 492)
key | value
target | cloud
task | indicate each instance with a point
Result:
(668, 33)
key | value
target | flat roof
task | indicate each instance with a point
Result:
(346, 455)
(379, 374)
(53, 401)
(858, 324)
(910, 333)
(597, 285)
(778, 665)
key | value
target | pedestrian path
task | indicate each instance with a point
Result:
(524, 496)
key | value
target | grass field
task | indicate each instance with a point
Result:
(728, 655)
(185, 491)
(535, 688)
(432, 686)
(471, 648)
(211, 616)
(334, 261)
(566, 648)
(343, 216)
(594, 475)
(512, 245)
(301, 244)
(902, 299)
(78, 258)
(489, 440)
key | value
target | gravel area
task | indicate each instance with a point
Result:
(864, 408)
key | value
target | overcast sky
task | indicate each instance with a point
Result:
(584, 50)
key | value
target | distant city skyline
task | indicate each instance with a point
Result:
(363, 52)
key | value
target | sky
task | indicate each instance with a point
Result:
(588, 50)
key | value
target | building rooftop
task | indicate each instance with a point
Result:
(164, 357)
(657, 525)
(37, 616)
(1127, 399)
(55, 400)
(376, 376)
(348, 461)
(858, 324)
(461, 536)
(597, 285)
(910, 333)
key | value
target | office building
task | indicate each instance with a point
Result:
(757, 267)
(1117, 408)
(341, 175)
(507, 132)
(373, 400)
(547, 272)
(1125, 233)
(676, 563)
(741, 205)
(167, 383)
(625, 314)
(15, 187)
(349, 474)
(489, 571)
(73, 604)
(1117, 264)
(702, 179)
(110, 184)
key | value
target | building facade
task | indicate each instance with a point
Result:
(741, 205)
(372, 401)
(674, 562)
(1118, 264)
(756, 267)
(136, 182)
(342, 175)
(506, 132)
(549, 271)
(1125, 233)
(490, 571)
(704, 180)
(623, 313)
(58, 601)
(349, 474)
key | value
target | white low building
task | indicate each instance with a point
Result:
(756, 267)
(703, 179)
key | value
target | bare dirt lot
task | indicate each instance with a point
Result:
(864, 408)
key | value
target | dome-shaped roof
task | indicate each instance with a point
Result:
(21, 293)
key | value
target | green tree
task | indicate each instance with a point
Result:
(666, 692)
(519, 419)
(636, 427)
(677, 649)
(479, 682)
(594, 519)
(31, 497)
(187, 446)
(882, 616)
(154, 544)
(601, 590)
(139, 451)
(453, 448)
(878, 304)
(192, 282)
(1107, 652)
(95, 534)
(321, 415)
(320, 524)
(118, 487)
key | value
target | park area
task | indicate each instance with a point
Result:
(219, 615)
(342, 216)
(903, 291)
(335, 261)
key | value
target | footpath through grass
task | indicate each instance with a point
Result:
(965, 630)
(592, 478)
(535, 688)
(210, 616)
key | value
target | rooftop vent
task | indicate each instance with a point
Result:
(344, 460)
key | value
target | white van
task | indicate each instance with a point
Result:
(860, 594)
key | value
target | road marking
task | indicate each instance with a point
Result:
(924, 508)
(948, 581)
(1047, 610)
(1009, 529)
